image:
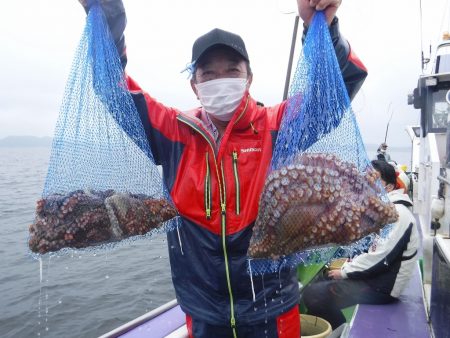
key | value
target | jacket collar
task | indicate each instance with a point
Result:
(399, 195)
(245, 113)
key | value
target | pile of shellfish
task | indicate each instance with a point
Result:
(87, 218)
(318, 201)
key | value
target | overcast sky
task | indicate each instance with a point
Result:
(39, 37)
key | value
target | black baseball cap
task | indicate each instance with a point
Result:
(218, 37)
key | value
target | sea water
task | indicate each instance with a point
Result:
(80, 294)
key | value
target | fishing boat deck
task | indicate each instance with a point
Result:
(160, 326)
(168, 321)
(405, 318)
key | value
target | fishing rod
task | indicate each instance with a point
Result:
(291, 57)
(389, 121)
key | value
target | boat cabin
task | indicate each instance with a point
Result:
(430, 175)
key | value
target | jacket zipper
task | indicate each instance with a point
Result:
(225, 255)
(222, 194)
(236, 182)
(243, 111)
(207, 189)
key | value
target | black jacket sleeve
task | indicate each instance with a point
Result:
(353, 71)
(117, 21)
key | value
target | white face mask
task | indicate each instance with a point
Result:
(221, 97)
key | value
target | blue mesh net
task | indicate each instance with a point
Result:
(322, 198)
(102, 185)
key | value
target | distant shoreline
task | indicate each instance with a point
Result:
(46, 141)
(26, 141)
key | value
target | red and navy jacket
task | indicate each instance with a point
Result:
(216, 190)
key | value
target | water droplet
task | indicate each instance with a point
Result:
(107, 277)
(46, 329)
(60, 301)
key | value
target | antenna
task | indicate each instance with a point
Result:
(424, 60)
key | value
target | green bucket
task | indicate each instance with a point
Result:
(314, 327)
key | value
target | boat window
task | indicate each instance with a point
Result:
(440, 110)
(443, 62)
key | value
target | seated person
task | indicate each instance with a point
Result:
(375, 277)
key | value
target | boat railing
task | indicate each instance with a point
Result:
(121, 330)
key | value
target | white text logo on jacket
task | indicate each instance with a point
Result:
(251, 150)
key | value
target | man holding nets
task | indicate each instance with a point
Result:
(215, 159)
